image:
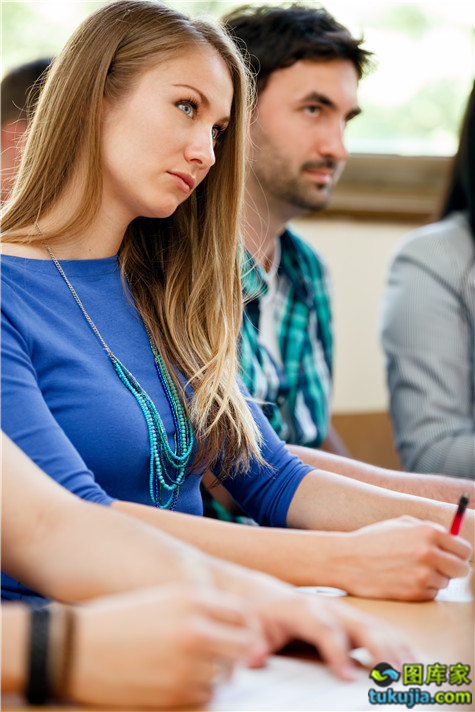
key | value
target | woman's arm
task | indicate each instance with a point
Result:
(300, 557)
(403, 558)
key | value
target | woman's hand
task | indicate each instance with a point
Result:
(405, 558)
(159, 647)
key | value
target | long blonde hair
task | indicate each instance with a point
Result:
(183, 271)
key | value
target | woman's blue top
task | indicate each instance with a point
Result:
(64, 405)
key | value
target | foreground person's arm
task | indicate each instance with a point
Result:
(95, 550)
(395, 566)
(437, 487)
(156, 647)
(161, 647)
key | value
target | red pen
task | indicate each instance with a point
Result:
(456, 524)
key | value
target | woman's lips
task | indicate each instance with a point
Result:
(184, 180)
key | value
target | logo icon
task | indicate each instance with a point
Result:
(384, 674)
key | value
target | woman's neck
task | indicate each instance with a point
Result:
(100, 239)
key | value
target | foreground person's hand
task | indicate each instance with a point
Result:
(333, 627)
(160, 647)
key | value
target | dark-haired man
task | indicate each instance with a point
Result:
(18, 96)
(307, 68)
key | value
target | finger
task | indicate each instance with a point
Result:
(326, 632)
(231, 610)
(333, 645)
(224, 607)
(198, 694)
(449, 565)
(218, 640)
(205, 670)
(457, 545)
(382, 641)
(437, 581)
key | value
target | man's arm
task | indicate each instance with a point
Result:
(328, 501)
(437, 487)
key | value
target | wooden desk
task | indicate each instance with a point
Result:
(441, 631)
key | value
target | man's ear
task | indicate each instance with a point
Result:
(12, 135)
(12, 144)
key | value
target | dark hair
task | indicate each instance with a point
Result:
(20, 89)
(277, 37)
(460, 194)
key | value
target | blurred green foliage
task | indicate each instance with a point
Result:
(431, 116)
(409, 19)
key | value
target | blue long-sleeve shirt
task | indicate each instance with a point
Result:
(65, 407)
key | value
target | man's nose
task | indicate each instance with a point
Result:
(332, 145)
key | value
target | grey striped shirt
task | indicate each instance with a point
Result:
(428, 334)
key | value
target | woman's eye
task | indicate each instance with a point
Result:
(216, 132)
(188, 108)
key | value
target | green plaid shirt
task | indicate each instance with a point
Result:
(295, 397)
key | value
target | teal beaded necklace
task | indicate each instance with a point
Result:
(167, 466)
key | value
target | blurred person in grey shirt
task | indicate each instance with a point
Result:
(428, 329)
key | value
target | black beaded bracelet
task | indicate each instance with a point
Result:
(38, 686)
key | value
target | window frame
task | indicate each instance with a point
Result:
(390, 187)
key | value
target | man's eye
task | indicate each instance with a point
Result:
(313, 110)
(188, 108)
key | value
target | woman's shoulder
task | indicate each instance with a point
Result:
(16, 249)
(451, 233)
(446, 246)
(22, 242)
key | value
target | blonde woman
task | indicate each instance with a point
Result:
(122, 307)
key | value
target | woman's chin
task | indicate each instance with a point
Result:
(162, 211)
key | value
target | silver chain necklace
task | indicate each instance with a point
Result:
(162, 457)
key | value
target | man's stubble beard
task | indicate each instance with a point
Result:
(271, 171)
